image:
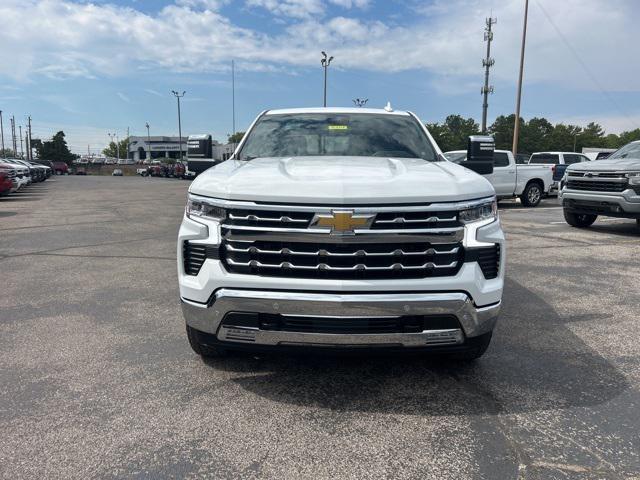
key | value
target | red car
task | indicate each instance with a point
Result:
(5, 183)
(61, 168)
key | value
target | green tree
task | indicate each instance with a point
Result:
(56, 149)
(236, 137)
(624, 138)
(502, 131)
(454, 133)
(563, 137)
(123, 149)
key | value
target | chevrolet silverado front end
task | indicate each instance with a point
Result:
(344, 229)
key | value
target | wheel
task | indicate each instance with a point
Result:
(531, 195)
(202, 349)
(579, 220)
(476, 350)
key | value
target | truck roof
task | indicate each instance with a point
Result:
(380, 111)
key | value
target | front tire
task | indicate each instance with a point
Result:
(531, 195)
(579, 220)
(206, 351)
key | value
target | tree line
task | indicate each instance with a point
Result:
(536, 134)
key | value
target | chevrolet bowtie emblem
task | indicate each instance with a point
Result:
(342, 222)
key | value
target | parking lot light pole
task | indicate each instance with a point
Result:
(325, 62)
(114, 139)
(179, 96)
(148, 141)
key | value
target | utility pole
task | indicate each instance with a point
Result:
(516, 127)
(127, 160)
(487, 63)
(13, 134)
(360, 102)
(148, 141)
(179, 96)
(21, 150)
(325, 62)
(2, 134)
(29, 151)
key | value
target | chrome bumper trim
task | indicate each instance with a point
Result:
(474, 321)
(266, 337)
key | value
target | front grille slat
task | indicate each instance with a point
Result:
(194, 256)
(596, 186)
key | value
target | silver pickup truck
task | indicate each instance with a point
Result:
(609, 187)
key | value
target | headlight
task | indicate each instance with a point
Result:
(201, 208)
(479, 213)
(634, 178)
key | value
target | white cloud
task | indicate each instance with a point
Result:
(290, 8)
(61, 38)
(303, 9)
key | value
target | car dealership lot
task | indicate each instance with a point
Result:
(97, 378)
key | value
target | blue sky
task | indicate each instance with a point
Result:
(91, 68)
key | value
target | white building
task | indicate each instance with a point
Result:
(159, 146)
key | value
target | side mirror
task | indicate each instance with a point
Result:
(480, 151)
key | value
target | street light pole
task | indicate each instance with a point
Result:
(148, 141)
(325, 62)
(179, 96)
(516, 127)
(114, 139)
(2, 134)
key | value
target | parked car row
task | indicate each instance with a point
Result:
(17, 174)
(176, 170)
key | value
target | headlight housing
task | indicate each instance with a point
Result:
(479, 213)
(634, 178)
(200, 208)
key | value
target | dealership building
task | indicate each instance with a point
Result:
(169, 147)
(159, 147)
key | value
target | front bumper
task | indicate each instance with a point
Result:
(209, 317)
(624, 204)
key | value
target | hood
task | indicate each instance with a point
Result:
(607, 165)
(341, 181)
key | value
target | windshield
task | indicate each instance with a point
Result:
(631, 150)
(545, 158)
(324, 134)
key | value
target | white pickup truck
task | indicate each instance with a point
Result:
(341, 228)
(529, 182)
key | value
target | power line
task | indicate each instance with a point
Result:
(584, 66)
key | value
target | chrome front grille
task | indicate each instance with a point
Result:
(341, 260)
(411, 218)
(271, 219)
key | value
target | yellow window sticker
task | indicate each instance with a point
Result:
(338, 127)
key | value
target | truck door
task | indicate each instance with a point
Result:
(503, 177)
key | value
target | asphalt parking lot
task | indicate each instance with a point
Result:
(97, 379)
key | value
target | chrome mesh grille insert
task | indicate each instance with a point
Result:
(341, 260)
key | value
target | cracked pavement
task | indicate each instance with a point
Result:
(97, 379)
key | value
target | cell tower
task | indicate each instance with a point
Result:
(487, 63)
